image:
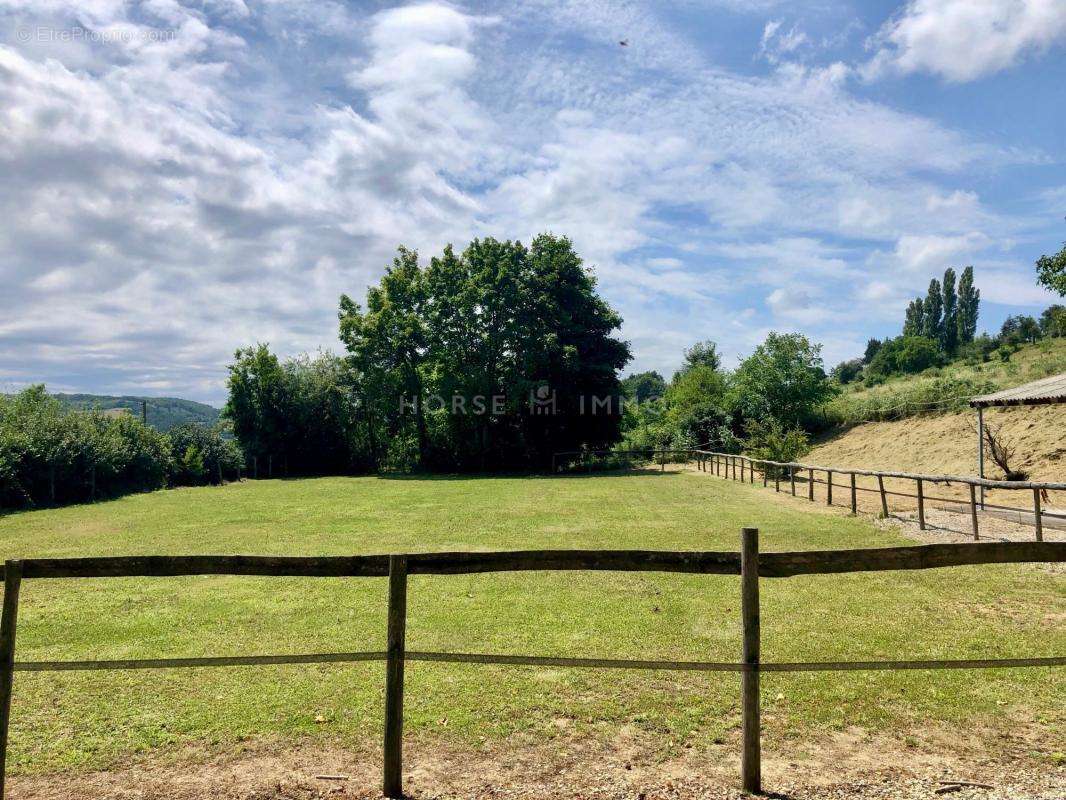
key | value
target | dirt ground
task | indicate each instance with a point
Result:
(947, 444)
(849, 764)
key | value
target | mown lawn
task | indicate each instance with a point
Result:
(88, 720)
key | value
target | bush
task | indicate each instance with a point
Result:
(49, 455)
(905, 355)
(203, 455)
(771, 441)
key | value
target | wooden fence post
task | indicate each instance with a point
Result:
(921, 505)
(884, 497)
(973, 510)
(792, 479)
(829, 487)
(810, 485)
(742, 460)
(662, 461)
(393, 781)
(8, 619)
(777, 479)
(750, 767)
(751, 471)
(1036, 512)
(765, 475)
(854, 496)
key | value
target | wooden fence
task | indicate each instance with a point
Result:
(749, 564)
(743, 468)
(727, 464)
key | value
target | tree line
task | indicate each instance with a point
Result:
(51, 454)
(766, 407)
(489, 359)
(941, 327)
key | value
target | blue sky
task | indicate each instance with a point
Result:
(180, 179)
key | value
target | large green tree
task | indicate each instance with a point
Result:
(783, 380)
(1051, 271)
(492, 358)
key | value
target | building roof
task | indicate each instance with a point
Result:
(1045, 390)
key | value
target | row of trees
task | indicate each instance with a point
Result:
(947, 315)
(489, 359)
(50, 455)
(767, 406)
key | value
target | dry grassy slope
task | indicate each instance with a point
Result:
(947, 444)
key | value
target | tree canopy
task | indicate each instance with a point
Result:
(1051, 271)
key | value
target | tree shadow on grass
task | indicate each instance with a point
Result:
(481, 476)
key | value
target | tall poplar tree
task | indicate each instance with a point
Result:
(932, 322)
(949, 334)
(914, 323)
(969, 300)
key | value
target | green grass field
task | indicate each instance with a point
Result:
(89, 720)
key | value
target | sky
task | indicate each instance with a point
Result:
(181, 179)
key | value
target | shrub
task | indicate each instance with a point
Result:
(202, 455)
(770, 440)
(49, 455)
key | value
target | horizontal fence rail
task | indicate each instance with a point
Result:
(749, 564)
(707, 562)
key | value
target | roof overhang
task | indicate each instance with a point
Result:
(1045, 391)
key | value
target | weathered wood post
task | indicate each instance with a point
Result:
(750, 767)
(884, 497)
(662, 461)
(777, 478)
(973, 510)
(810, 485)
(742, 460)
(397, 624)
(792, 479)
(1036, 513)
(765, 475)
(8, 619)
(829, 487)
(921, 505)
(854, 496)
(751, 471)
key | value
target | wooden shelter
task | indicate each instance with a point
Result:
(1036, 393)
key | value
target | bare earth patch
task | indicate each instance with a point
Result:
(853, 763)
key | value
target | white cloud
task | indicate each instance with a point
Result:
(928, 255)
(165, 201)
(777, 43)
(961, 40)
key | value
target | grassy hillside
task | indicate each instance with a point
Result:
(946, 389)
(923, 423)
(82, 720)
(163, 412)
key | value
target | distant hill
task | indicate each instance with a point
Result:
(163, 412)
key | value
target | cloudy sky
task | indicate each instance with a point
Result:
(179, 179)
